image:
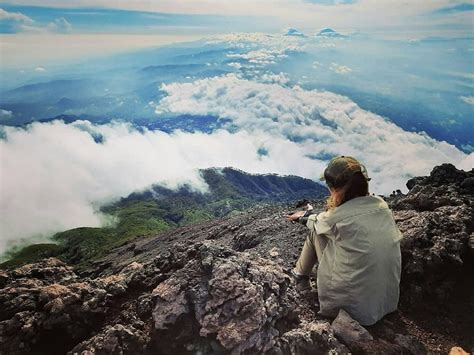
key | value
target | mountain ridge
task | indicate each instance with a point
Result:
(159, 209)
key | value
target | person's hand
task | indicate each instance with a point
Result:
(295, 216)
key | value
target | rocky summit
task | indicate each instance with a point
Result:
(224, 286)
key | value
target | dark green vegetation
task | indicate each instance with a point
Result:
(159, 209)
(32, 253)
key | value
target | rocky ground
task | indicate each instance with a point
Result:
(224, 287)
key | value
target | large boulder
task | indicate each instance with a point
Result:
(436, 218)
(47, 303)
(309, 338)
(349, 330)
(224, 301)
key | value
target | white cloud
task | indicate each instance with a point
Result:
(27, 25)
(317, 65)
(467, 99)
(262, 56)
(14, 16)
(40, 69)
(340, 69)
(20, 23)
(291, 9)
(276, 48)
(272, 78)
(56, 173)
(319, 123)
(275, 45)
(5, 114)
(60, 25)
(235, 65)
(391, 17)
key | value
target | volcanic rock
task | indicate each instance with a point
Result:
(224, 286)
(349, 330)
(117, 339)
(436, 218)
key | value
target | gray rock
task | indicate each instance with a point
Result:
(315, 337)
(235, 299)
(410, 344)
(349, 330)
(47, 300)
(117, 339)
(436, 219)
(3, 278)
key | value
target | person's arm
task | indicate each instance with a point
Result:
(301, 216)
(304, 218)
(295, 216)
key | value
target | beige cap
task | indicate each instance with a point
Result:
(340, 169)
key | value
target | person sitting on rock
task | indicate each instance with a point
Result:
(357, 244)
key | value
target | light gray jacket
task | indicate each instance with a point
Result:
(359, 269)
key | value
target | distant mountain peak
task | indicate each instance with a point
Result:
(329, 32)
(294, 32)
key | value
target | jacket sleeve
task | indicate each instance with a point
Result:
(304, 219)
(322, 226)
(317, 222)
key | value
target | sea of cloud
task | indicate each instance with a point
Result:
(54, 176)
(320, 123)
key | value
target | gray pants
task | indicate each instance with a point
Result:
(312, 252)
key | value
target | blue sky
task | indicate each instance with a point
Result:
(56, 29)
(455, 9)
(421, 18)
(109, 20)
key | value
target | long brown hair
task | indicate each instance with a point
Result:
(356, 186)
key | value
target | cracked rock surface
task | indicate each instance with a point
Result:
(436, 218)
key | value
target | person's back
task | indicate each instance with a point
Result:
(357, 244)
(359, 270)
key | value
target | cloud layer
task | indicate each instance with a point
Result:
(321, 124)
(54, 175)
